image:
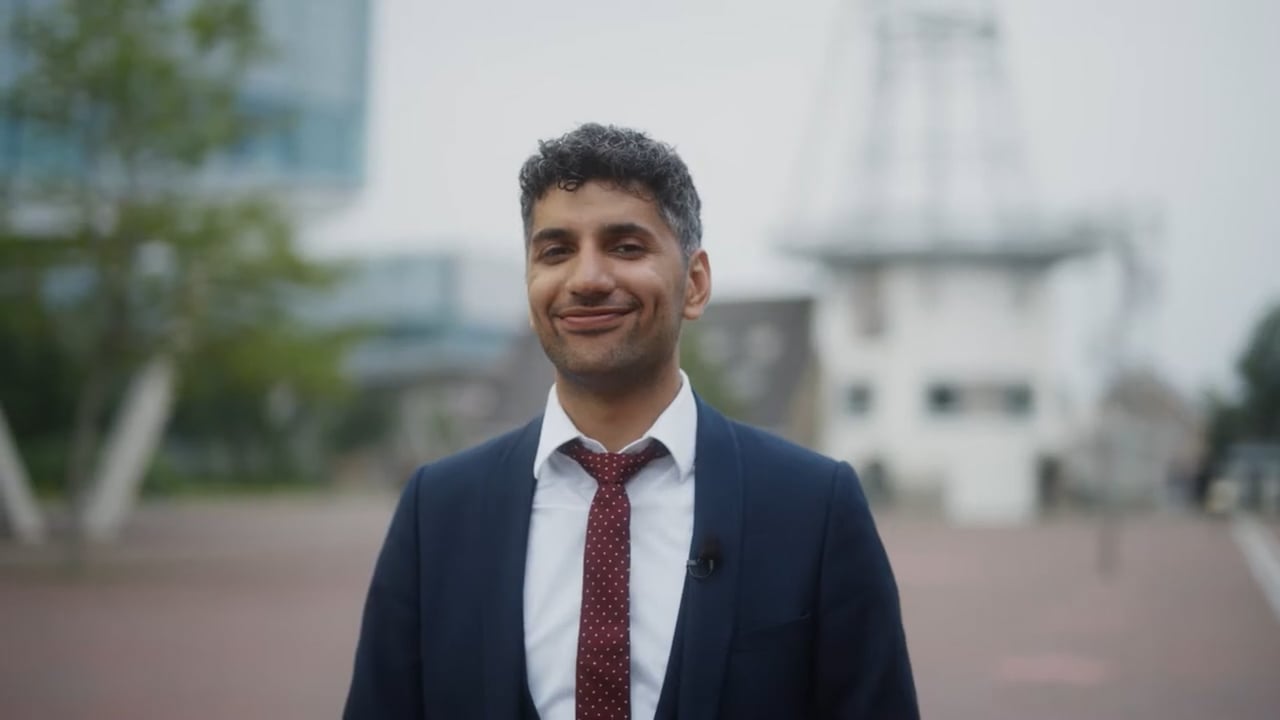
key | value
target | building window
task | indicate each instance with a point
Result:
(857, 399)
(942, 399)
(980, 399)
(1019, 400)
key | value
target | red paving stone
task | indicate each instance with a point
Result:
(251, 611)
(1020, 623)
(214, 612)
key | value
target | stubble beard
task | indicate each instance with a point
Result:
(632, 362)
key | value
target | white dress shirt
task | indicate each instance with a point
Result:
(661, 497)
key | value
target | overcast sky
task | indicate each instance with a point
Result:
(1170, 105)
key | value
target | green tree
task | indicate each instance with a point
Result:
(1255, 414)
(1259, 369)
(140, 256)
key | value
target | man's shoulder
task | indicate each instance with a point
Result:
(785, 478)
(770, 453)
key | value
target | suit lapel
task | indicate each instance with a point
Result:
(709, 606)
(503, 540)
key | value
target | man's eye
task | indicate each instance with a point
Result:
(554, 251)
(630, 248)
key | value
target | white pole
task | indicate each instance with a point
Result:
(130, 448)
(16, 500)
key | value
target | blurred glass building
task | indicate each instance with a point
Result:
(432, 312)
(317, 78)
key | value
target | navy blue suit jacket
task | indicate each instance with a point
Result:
(799, 619)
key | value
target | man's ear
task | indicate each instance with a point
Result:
(697, 287)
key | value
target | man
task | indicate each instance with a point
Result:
(631, 553)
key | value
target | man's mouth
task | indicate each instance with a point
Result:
(588, 320)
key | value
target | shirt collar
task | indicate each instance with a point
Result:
(676, 428)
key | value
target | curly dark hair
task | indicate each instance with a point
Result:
(623, 157)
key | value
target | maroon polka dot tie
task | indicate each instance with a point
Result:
(603, 687)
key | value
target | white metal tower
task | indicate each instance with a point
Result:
(933, 323)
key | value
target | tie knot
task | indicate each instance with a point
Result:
(613, 468)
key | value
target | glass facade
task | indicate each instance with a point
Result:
(317, 78)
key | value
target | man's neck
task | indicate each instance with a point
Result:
(620, 418)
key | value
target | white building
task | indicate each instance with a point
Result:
(938, 378)
(933, 322)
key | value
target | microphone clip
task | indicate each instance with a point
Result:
(701, 567)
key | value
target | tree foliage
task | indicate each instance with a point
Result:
(1259, 368)
(124, 236)
(1255, 415)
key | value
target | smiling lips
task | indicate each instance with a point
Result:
(592, 320)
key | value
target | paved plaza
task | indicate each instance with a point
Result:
(243, 609)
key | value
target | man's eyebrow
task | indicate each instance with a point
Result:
(623, 229)
(550, 234)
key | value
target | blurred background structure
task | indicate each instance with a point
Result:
(260, 259)
(938, 241)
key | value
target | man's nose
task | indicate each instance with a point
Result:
(591, 274)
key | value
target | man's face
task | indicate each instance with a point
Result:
(608, 285)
